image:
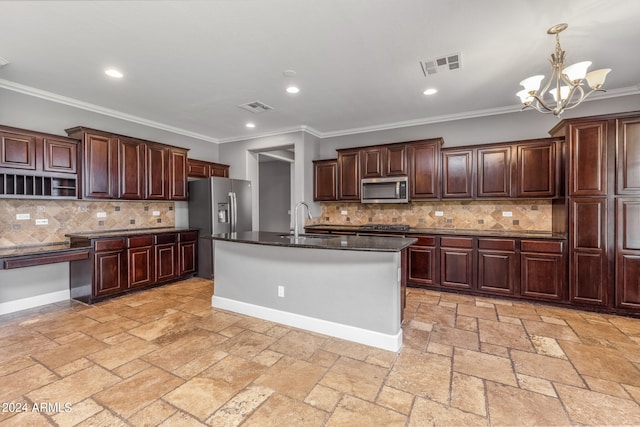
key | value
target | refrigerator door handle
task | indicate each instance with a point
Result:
(233, 207)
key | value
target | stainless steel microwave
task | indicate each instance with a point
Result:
(384, 190)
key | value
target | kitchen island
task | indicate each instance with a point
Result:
(349, 287)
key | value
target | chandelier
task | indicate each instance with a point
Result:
(568, 91)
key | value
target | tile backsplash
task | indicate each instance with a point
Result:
(67, 216)
(529, 215)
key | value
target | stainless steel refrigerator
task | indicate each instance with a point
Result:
(217, 205)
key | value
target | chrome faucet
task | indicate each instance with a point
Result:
(296, 228)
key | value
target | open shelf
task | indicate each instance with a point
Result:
(34, 186)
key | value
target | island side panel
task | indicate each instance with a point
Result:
(355, 288)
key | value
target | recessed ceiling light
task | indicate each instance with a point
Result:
(430, 91)
(250, 125)
(112, 72)
(293, 89)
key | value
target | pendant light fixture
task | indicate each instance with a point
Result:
(568, 91)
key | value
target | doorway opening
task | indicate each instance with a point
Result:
(274, 189)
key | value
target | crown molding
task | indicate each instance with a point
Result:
(50, 96)
(72, 102)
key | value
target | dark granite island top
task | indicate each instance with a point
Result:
(350, 243)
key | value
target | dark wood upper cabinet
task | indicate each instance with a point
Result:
(118, 166)
(383, 160)
(202, 169)
(457, 173)
(494, 172)
(157, 172)
(100, 171)
(628, 156)
(396, 160)
(198, 169)
(372, 162)
(588, 159)
(132, 164)
(349, 174)
(60, 156)
(424, 171)
(17, 151)
(219, 170)
(325, 177)
(537, 169)
(178, 174)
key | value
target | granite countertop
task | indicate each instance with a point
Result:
(352, 243)
(126, 232)
(61, 247)
(445, 232)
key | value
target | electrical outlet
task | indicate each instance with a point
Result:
(156, 213)
(281, 291)
(507, 213)
(22, 217)
(101, 214)
(344, 212)
(43, 221)
(439, 213)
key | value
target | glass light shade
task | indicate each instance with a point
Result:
(524, 96)
(532, 84)
(596, 78)
(577, 71)
(564, 91)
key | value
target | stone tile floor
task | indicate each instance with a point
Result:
(165, 357)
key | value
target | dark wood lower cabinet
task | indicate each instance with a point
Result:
(110, 264)
(628, 253)
(141, 261)
(519, 268)
(497, 266)
(422, 262)
(542, 270)
(188, 253)
(119, 265)
(456, 262)
(165, 257)
(588, 255)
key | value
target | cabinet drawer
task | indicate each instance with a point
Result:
(189, 236)
(456, 242)
(138, 241)
(497, 244)
(423, 240)
(166, 238)
(542, 246)
(109, 245)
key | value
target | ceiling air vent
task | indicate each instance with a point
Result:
(255, 107)
(444, 63)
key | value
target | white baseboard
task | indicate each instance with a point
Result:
(337, 330)
(36, 301)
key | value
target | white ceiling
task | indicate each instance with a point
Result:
(189, 64)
